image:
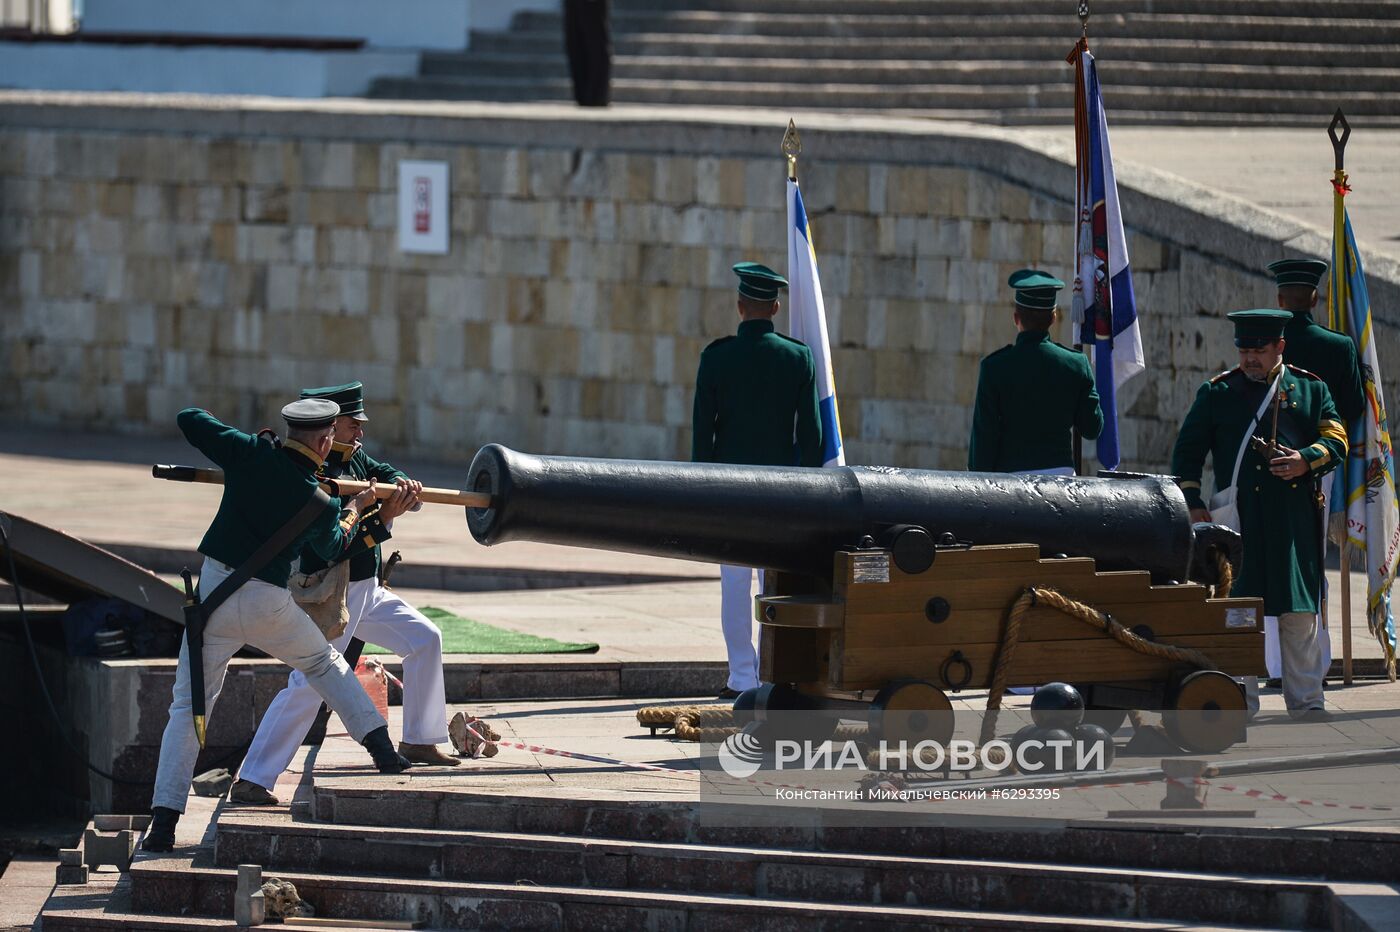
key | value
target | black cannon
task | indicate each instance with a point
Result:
(887, 576)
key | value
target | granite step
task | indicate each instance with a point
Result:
(171, 886)
(1339, 854)
(1100, 8)
(947, 30)
(276, 842)
(913, 97)
(894, 73)
(1048, 50)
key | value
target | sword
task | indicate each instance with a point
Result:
(194, 642)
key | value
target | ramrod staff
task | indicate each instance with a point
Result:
(332, 486)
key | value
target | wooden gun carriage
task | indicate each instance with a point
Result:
(893, 587)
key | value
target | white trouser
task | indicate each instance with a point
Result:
(1273, 662)
(1047, 471)
(1273, 658)
(378, 616)
(264, 616)
(736, 617)
(1302, 679)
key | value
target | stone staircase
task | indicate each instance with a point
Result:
(465, 860)
(1228, 62)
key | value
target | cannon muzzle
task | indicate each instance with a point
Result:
(792, 519)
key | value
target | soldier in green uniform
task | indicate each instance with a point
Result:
(1329, 355)
(1332, 357)
(755, 403)
(1031, 394)
(377, 615)
(1276, 496)
(266, 484)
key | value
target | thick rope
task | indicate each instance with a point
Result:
(714, 723)
(1085, 613)
(1226, 574)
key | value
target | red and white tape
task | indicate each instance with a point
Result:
(1278, 797)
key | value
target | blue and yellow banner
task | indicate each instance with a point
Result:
(1367, 485)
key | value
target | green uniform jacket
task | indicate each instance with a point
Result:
(363, 552)
(264, 487)
(1279, 518)
(1029, 397)
(1329, 355)
(755, 392)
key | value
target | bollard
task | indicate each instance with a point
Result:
(249, 907)
(71, 869)
(1183, 792)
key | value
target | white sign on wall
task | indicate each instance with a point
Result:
(423, 222)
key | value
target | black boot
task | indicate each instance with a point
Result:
(160, 836)
(382, 750)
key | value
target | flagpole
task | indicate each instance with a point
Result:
(1339, 146)
(1081, 152)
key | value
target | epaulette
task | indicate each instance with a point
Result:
(997, 352)
(720, 340)
(1299, 370)
(790, 339)
(1225, 375)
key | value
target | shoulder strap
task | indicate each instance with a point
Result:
(269, 549)
(1249, 431)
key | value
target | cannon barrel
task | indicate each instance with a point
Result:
(792, 519)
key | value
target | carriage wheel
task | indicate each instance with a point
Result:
(911, 711)
(1206, 712)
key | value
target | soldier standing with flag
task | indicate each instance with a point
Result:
(1332, 357)
(756, 404)
(1274, 486)
(1031, 394)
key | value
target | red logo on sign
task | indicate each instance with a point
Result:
(422, 205)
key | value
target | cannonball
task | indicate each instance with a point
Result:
(744, 705)
(1044, 754)
(1024, 734)
(1057, 705)
(1088, 736)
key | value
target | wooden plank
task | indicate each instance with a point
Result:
(1087, 661)
(799, 611)
(1001, 592)
(974, 556)
(787, 655)
(906, 629)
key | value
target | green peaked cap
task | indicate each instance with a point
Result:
(1306, 272)
(1035, 290)
(350, 397)
(758, 282)
(1257, 328)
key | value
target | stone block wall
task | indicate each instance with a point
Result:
(169, 256)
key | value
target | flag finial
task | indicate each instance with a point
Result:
(792, 148)
(1339, 143)
(1084, 16)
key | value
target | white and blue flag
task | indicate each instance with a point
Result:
(807, 313)
(1103, 310)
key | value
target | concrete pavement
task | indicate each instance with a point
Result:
(1285, 171)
